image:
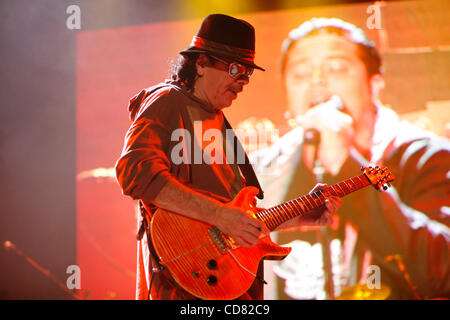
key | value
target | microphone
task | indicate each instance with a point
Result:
(311, 137)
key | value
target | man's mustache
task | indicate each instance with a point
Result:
(236, 88)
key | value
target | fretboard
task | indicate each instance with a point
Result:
(279, 214)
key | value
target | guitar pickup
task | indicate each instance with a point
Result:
(222, 241)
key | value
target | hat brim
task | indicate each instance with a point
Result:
(198, 50)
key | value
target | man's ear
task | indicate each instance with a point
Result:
(201, 63)
(376, 82)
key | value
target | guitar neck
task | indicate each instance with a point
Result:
(275, 216)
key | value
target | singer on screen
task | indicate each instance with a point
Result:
(332, 77)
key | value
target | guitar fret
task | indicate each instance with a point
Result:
(294, 209)
(266, 216)
(337, 184)
(263, 215)
(276, 215)
(350, 190)
(360, 180)
(311, 200)
(307, 209)
(356, 187)
(291, 211)
(336, 194)
(270, 216)
(284, 215)
(284, 212)
(317, 197)
(323, 196)
(314, 204)
(306, 197)
(300, 207)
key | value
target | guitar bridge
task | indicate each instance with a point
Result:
(222, 241)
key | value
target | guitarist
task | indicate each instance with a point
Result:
(165, 161)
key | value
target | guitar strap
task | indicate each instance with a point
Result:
(145, 228)
(246, 167)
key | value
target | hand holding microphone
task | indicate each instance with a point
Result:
(336, 133)
(328, 114)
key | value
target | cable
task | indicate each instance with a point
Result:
(244, 268)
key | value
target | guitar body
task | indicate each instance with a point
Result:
(210, 265)
(205, 262)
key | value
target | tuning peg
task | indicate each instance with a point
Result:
(362, 168)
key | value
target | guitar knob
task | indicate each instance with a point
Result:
(211, 280)
(212, 264)
(195, 274)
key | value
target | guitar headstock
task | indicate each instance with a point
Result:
(379, 177)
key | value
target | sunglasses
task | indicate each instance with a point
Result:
(236, 69)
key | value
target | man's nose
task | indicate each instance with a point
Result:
(243, 80)
(318, 76)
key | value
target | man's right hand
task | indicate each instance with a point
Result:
(239, 224)
(234, 221)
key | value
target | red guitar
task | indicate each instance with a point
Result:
(210, 265)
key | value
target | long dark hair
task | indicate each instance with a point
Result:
(184, 70)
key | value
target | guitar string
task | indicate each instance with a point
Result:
(188, 252)
(270, 217)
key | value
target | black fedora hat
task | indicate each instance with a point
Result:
(226, 37)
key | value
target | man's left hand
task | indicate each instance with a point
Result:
(332, 203)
